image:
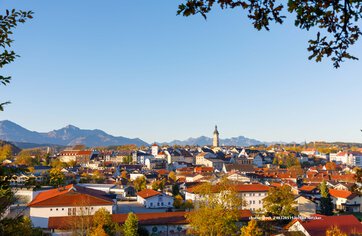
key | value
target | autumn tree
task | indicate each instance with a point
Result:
(98, 177)
(102, 219)
(336, 22)
(216, 211)
(56, 177)
(335, 231)
(158, 184)
(72, 163)
(6, 152)
(177, 203)
(280, 202)
(188, 205)
(251, 229)
(127, 159)
(130, 227)
(56, 163)
(172, 175)
(25, 158)
(326, 203)
(98, 231)
(139, 183)
(18, 225)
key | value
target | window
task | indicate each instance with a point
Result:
(69, 211)
(250, 202)
(56, 209)
(51, 209)
(169, 203)
(253, 202)
(161, 203)
(74, 211)
(151, 203)
(259, 201)
(62, 209)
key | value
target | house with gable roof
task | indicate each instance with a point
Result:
(150, 198)
(345, 200)
(69, 200)
(348, 224)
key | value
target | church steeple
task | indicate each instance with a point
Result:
(215, 140)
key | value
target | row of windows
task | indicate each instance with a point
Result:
(253, 202)
(71, 211)
(254, 194)
(158, 204)
(51, 209)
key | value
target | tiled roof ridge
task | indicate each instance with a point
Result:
(55, 195)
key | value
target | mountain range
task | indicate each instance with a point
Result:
(67, 136)
(72, 135)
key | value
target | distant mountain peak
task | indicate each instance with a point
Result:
(71, 127)
(67, 136)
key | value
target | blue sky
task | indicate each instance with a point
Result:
(134, 68)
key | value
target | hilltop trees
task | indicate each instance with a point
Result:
(337, 22)
(326, 200)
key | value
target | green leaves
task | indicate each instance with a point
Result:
(337, 20)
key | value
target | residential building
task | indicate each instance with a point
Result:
(66, 201)
(150, 198)
(345, 200)
(348, 224)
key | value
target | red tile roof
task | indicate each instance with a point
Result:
(341, 193)
(70, 195)
(147, 193)
(162, 171)
(155, 218)
(252, 188)
(307, 188)
(318, 227)
(351, 178)
(201, 169)
(238, 188)
(85, 153)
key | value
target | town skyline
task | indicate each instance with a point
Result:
(162, 89)
(7, 127)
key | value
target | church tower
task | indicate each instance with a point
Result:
(215, 140)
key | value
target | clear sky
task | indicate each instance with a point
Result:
(135, 69)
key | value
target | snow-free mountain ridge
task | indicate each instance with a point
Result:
(67, 136)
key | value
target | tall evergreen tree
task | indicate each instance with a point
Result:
(326, 200)
(130, 227)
